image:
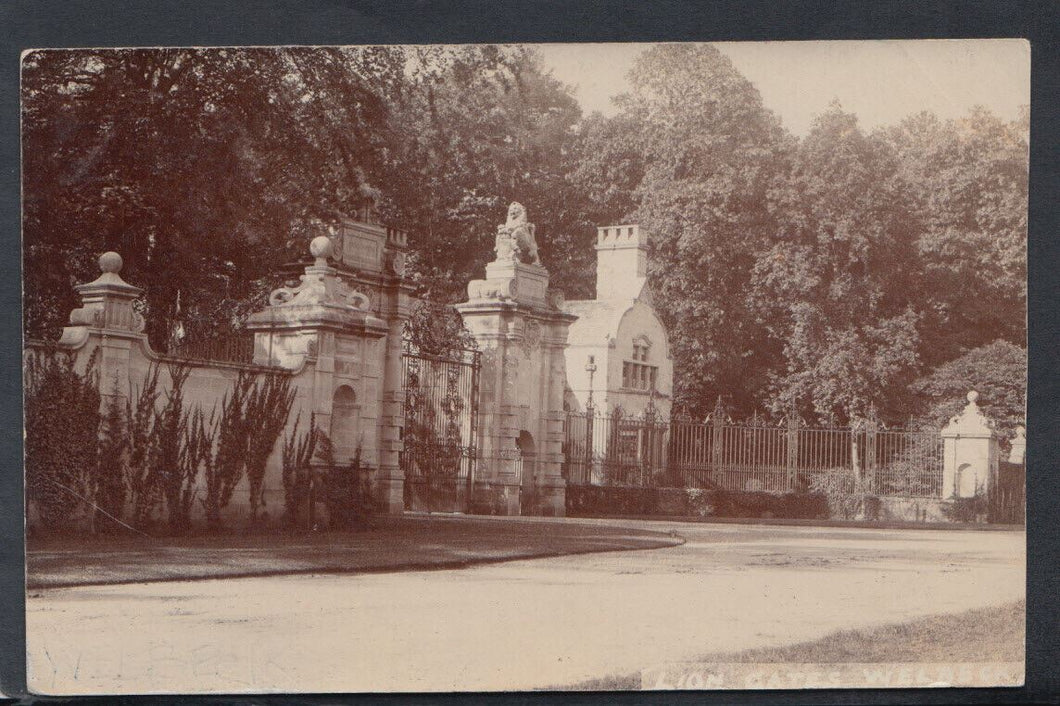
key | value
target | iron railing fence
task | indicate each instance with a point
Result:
(226, 348)
(612, 449)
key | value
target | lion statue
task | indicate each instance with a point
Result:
(516, 237)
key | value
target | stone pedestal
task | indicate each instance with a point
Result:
(106, 315)
(356, 361)
(970, 453)
(1018, 452)
(523, 335)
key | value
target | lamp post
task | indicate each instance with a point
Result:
(590, 367)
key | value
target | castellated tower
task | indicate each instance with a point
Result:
(621, 261)
(618, 352)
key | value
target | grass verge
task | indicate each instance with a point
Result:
(995, 634)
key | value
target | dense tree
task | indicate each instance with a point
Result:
(198, 165)
(997, 371)
(838, 284)
(479, 127)
(826, 273)
(710, 151)
(968, 187)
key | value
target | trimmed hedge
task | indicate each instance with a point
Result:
(595, 501)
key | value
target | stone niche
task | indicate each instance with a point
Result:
(522, 333)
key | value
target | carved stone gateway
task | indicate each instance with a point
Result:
(345, 318)
(523, 334)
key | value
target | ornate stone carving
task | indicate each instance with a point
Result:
(515, 239)
(337, 244)
(86, 316)
(319, 285)
(504, 290)
(531, 337)
(395, 263)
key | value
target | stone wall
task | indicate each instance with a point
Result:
(336, 336)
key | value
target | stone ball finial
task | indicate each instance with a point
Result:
(321, 247)
(110, 262)
(973, 396)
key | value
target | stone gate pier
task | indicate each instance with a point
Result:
(522, 332)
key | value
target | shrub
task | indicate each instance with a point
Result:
(267, 408)
(973, 509)
(347, 492)
(145, 495)
(297, 456)
(111, 481)
(62, 418)
(167, 460)
(253, 415)
(844, 491)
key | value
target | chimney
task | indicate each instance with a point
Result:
(621, 261)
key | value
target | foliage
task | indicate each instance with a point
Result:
(973, 509)
(253, 415)
(62, 417)
(836, 281)
(297, 455)
(844, 491)
(997, 371)
(709, 151)
(167, 459)
(198, 459)
(229, 460)
(968, 189)
(699, 502)
(267, 408)
(604, 500)
(435, 329)
(476, 128)
(825, 273)
(125, 149)
(111, 477)
(347, 489)
(140, 418)
(822, 272)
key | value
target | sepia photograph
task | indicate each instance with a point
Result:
(525, 367)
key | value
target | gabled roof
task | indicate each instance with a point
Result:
(598, 320)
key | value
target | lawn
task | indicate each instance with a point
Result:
(983, 635)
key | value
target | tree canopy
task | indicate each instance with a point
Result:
(838, 275)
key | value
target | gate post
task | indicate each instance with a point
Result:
(523, 334)
(793, 447)
(107, 319)
(970, 453)
(345, 319)
(716, 440)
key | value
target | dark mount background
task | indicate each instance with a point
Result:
(104, 23)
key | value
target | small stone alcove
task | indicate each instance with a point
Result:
(345, 423)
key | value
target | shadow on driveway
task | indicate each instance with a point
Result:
(405, 543)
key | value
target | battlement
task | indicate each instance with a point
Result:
(621, 236)
(396, 238)
(621, 261)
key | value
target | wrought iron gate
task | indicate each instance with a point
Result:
(440, 429)
(1007, 497)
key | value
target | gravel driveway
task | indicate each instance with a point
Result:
(517, 625)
